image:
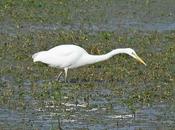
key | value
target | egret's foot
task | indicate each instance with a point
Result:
(58, 77)
(67, 81)
(61, 80)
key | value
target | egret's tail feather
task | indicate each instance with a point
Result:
(34, 56)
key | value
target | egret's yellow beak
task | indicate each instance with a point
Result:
(139, 59)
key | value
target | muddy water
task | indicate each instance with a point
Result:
(98, 102)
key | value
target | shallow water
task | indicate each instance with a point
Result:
(119, 94)
(79, 106)
(112, 27)
(83, 108)
(90, 16)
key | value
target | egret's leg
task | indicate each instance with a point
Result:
(65, 69)
(58, 77)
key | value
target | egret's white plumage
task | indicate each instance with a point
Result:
(72, 56)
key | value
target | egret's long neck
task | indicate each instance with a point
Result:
(90, 59)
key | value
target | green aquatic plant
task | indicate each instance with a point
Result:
(16, 64)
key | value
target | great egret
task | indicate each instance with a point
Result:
(72, 56)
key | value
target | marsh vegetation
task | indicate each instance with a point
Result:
(116, 94)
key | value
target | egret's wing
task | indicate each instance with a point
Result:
(64, 56)
(62, 51)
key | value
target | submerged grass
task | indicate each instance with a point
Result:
(139, 84)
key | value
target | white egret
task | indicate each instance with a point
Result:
(72, 56)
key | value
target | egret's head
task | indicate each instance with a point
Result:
(132, 53)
